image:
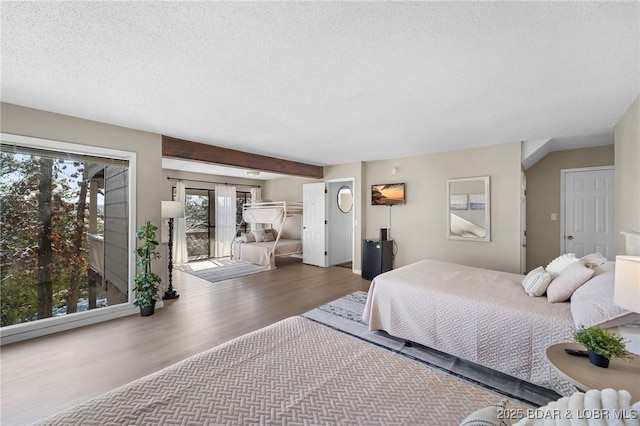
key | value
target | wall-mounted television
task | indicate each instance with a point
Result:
(387, 194)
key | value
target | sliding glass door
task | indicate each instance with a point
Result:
(201, 229)
(198, 224)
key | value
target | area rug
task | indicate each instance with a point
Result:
(215, 270)
(345, 314)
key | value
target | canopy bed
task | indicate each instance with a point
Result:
(262, 246)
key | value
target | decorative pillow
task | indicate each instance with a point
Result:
(272, 231)
(593, 260)
(557, 265)
(268, 236)
(247, 237)
(572, 277)
(488, 416)
(536, 282)
(592, 304)
(258, 235)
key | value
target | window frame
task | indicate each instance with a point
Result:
(42, 327)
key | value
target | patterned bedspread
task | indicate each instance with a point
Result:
(293, 372)
(477, 314)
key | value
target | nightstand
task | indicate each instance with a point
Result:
(621, 374)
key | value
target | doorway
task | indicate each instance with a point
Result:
(328, 223)
(588, 211)
(340, 220)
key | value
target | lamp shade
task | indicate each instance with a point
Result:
(626, 292)
(172, 209)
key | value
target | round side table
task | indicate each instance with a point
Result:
(621, 374)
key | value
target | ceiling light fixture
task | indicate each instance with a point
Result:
(253, 173)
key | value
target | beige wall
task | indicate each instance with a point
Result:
(287, 189)
(543, 198)
(40, 124)
(419, 226)
(627, 157)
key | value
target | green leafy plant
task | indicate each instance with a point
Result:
(602, 342)
(146, 283)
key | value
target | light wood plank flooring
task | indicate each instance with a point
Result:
(48, 374)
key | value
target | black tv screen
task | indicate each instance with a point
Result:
(387, 194)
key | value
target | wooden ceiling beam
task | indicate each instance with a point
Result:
(195, 151)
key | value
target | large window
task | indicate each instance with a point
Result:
(64, 231)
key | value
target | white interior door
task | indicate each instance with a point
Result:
(313, 224)
(588, 211)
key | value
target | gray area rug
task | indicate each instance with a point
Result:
(345, 314)
(214, 270)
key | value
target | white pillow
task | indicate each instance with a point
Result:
(557, 265)
(593, 260)
(572, 277)
(592, 304)
(494, 415)
(536, 282)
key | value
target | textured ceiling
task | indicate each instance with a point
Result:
(328, 82)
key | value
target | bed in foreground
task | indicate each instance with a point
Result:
(293, 372)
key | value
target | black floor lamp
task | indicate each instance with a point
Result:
(171, 210)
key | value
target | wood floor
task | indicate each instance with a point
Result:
(48, 374)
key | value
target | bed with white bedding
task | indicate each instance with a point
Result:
(480, 315)
(293, 372)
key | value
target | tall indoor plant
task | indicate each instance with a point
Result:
(146, 283)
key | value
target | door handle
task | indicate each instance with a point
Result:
(570, 237)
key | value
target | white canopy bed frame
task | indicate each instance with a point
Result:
(253, 246)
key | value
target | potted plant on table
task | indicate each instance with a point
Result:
(601, 345)
(146, 283)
